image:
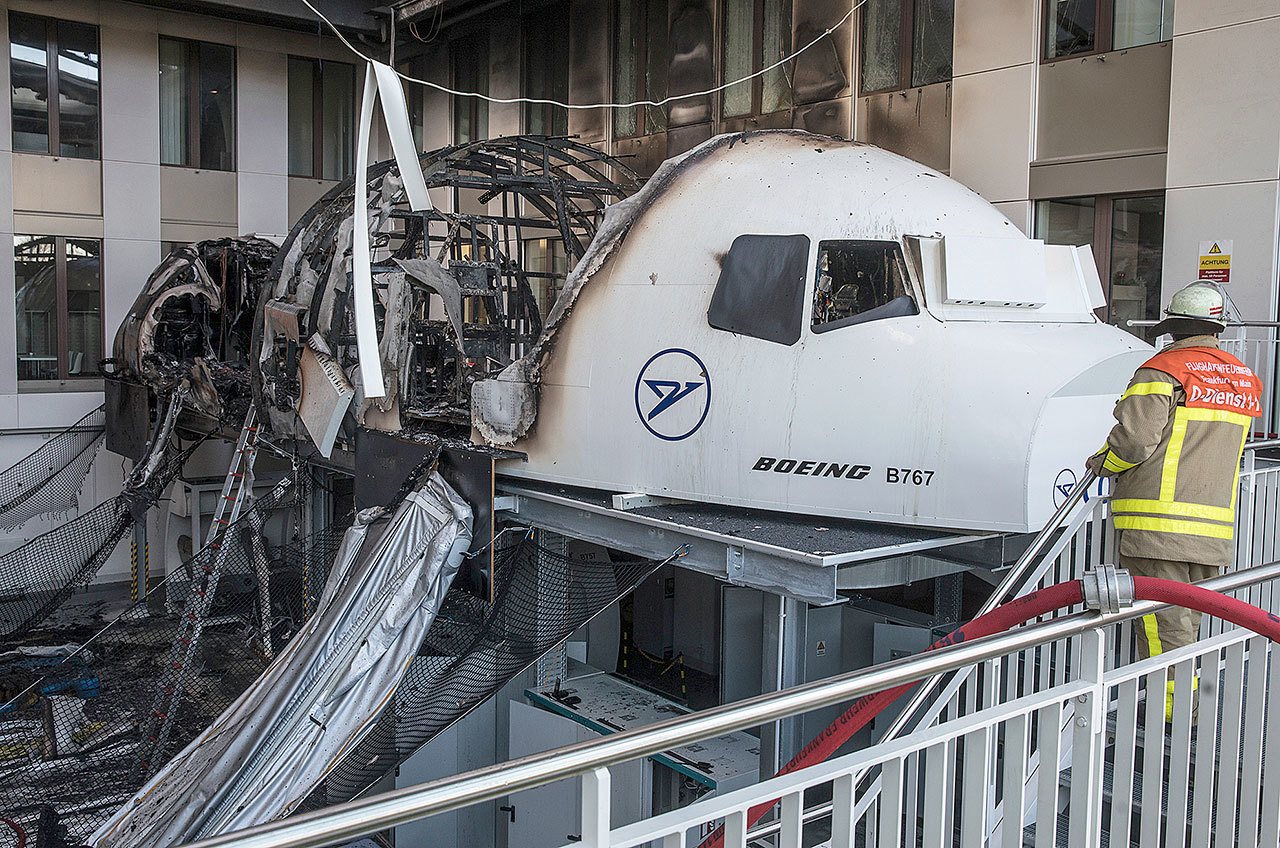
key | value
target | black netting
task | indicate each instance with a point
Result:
(474, 648)
(75, 732)
(50, 478)
(38, 577)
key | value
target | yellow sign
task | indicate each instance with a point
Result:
(1215, 260)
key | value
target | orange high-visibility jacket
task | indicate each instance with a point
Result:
(1175, 453)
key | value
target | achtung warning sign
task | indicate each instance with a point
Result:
(1215, 260)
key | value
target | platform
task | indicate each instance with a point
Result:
(799, 556)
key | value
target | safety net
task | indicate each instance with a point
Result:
(89, 704)
(38, 577)
(49, 479)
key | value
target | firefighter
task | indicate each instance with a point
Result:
(1175, 456)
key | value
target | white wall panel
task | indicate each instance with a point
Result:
(8, 325)
(262, 101)
(131, 201)
(1244, 213)
(130, 95)
(6, 114)
(1224, 116)
(126, 264)
(1197, 15)
(991, 34)
(991, 127)
(1020, 212)
(264, 203)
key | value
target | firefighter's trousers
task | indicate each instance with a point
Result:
(1173, 627)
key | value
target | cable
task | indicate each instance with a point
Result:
(1006, 617)
(538, 100)
(17, 831)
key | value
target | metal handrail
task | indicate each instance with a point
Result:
(1010, 582)
(1144, 322)
(369, 815)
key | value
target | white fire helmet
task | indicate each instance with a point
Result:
(1202, 301)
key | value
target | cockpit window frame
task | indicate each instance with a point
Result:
(762, 288)
(907, 305)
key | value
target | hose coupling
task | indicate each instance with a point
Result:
(1107, 589)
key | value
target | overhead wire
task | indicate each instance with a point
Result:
(548, 102)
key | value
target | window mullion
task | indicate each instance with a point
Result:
(1102, 245)
(51, 75)
(317, 120)
(60, 281)
(192, 51)
(1104, 37)
(757, 58)
(906, 45)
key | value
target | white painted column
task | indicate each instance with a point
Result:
(996, 60)
(1224, 147)
(262, 138)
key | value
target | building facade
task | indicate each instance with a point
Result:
(1143, 127)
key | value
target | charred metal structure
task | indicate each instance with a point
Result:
(455, 292)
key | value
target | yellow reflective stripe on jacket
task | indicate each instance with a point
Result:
(1152, 388)
(1115, 464)
(1174, 525)
(1173, 454)
(1188, 510)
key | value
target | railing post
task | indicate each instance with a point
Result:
(595, 808)
(1087, 744)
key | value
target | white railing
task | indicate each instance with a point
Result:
(1041, 737)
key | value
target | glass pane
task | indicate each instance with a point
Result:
(881, 37)
(657, 63)
(931, 41)
(413, 97)
(624, 67)
(1066, 221)
(776, 43)
(739, 52)
(1137, 254)
(546, 70)
(1140, 22)
(337, 85)
(470, 73)
(84, 307)
(1072, 27)
(78, 90)
(35, 279)
(29, 83)
(173, 102)
(217, 106)
(301, 117)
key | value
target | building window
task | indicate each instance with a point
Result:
(67, 124)
(640, 64)
(470, 73)
(1127, 234)
(906, 43)
(59, 307)
(757, 33)
(547, 265)
(197, 104)
(321, 115)
(1078, 27)
(760, 292)
(546, 69)
(414, 97)
(860, 281)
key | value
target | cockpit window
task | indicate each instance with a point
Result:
(760, 292)
(860, 281)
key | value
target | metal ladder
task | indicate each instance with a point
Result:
(236, 489)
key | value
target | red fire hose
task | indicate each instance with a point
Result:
(17, 831)
(1002, 618)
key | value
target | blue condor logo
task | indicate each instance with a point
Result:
(673, 394)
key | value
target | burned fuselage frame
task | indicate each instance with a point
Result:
(460, 292)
